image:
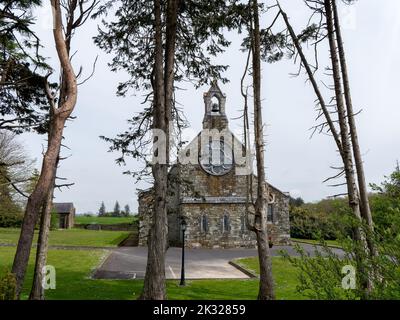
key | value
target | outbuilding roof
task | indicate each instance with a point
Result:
(63, 208)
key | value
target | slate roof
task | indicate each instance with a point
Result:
(63, 208)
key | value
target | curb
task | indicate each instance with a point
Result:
(125, 241)
(102, 260)
(317, 244)
(242, 269)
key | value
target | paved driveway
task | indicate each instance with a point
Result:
(130, 262)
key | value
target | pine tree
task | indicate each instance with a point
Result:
(164, 42)
(102, 210)
(117, 210)
(127, 210)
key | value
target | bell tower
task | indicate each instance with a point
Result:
(214, 102)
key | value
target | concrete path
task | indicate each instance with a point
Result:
(130, 262)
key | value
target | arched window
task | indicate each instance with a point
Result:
(270, 214)
(204, 224)
(226, 227)
(215, 105)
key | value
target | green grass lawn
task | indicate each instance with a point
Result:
(73, 268)
(104, 220)
(332, 243)
(285, 276)
(71, 237)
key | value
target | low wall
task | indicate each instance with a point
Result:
(108, 227)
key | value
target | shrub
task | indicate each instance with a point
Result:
(11, 220)
(306, 224)
(7, 287)
(384, 210)
(321, 276)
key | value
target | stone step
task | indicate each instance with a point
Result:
(131, 241)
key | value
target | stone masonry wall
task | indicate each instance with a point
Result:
(219, 196)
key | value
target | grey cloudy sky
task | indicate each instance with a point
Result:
(294, 162)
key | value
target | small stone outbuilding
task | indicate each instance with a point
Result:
(66, 214)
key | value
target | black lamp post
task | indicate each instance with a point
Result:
(183, 228)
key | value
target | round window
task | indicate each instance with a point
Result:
(217, 158)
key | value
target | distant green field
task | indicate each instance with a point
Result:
(104, 220)
(71, 237)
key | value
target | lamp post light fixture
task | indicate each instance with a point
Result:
(183, 228)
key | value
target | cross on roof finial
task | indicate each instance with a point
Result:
(215, 88)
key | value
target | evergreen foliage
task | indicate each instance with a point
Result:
(130, 38)
(23, 101)
(117, 210)
(102, 210)
(127, 210)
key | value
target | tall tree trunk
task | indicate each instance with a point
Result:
(33, 207)
(37, 291)
(342, 117)
(47, 175)
(364, 205)
(266, 288)
(342, 145)
(346, 143)
(154, 281)
(169, 75)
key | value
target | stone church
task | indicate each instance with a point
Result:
(210, 193)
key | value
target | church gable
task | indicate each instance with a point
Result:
(210, 145)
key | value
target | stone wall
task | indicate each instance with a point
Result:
(216, 196)
(145, 200)
(279, 229)
(108, 227)
(215, 236)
